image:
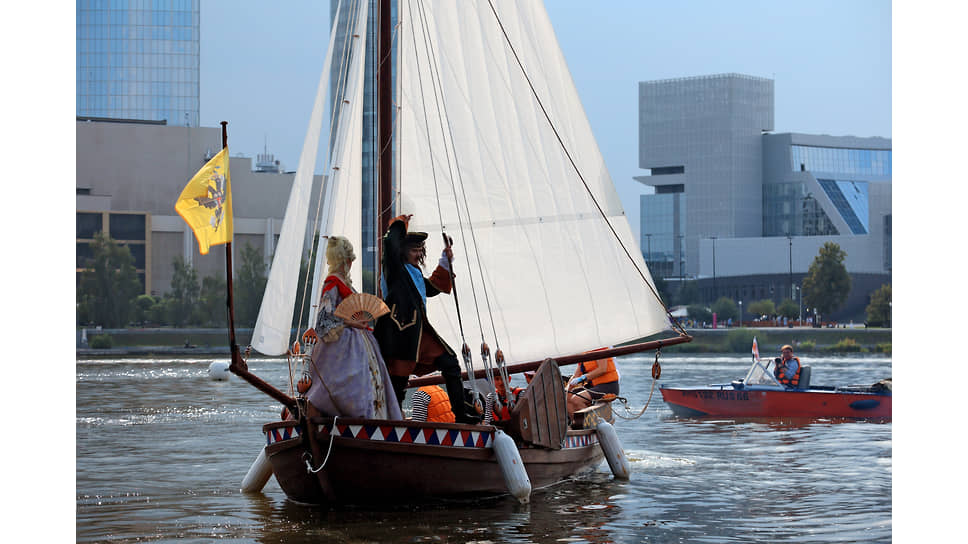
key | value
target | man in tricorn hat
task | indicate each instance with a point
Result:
(409, 343)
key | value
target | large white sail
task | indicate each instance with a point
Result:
(342, 210)
(274, 323)
(546, 260)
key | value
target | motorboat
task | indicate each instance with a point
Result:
(759, 394)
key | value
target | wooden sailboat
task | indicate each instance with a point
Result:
(485, 140)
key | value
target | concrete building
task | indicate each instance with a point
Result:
(744, 211)
(129, 175)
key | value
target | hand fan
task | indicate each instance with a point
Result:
(361, 306)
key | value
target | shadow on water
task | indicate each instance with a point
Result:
(579, 510)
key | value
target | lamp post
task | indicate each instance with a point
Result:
(682, 261)
(790, 239)
(800, 303)
(741, 313)
(715, 291)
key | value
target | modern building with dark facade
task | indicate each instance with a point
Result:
(744, 211)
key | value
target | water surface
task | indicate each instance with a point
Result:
(161, 452)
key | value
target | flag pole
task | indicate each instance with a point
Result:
(238, 365)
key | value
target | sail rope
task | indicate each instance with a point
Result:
(295, 355)
(452, 166)
(447, 134)
(571, 160)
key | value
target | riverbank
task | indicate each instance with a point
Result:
(207, 342)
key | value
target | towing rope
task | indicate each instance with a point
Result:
(656, 373)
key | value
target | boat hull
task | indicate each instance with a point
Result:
(380, 461)
(751, 402)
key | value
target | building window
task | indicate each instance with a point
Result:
(851, 200)
(127, 226)
(88, 224)
(873, 162)
(667, 170)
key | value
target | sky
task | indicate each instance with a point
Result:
(831, 61)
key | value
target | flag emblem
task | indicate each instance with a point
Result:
(206, 203)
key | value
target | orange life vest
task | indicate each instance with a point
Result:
(610, 375)
(438, 408)
(502, 412)
(795, 380)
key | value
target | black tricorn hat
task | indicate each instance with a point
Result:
(415, 238)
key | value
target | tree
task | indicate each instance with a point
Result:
(827, 283)
(788, 309)
(699, 313)
(762, 307)
(250, 284)
(109, 285)
(183, 297)
(725, 308)
(142, 307)
(879, 309)
(213, 301)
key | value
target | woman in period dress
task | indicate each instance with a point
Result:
(349, 377)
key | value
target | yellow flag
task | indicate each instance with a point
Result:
(206, 203)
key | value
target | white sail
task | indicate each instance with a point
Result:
(544, 255)
(274, 323)
(342, 210)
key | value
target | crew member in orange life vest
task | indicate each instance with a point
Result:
(500, 409)
(591, 381)
(431, 403)
(787, 369)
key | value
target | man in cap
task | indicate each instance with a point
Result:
(409, 343)
(787, 367)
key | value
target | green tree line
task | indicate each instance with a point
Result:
(825, 287)
(110, 295)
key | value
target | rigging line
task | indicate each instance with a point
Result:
(561, 142)
(314, 245)
(432, 57)
(342, 73)
(450, 132)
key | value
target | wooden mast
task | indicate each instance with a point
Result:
(385, 132)
(238, 365)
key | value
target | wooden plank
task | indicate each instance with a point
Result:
(540, 416)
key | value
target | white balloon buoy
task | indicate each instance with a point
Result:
(258, 475)
(515, 475)
(218, 370)
(617, 461)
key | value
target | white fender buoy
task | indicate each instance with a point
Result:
(258, 475)
(515, 475)
(218, 370)
(617, 461)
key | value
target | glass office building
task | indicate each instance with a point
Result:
(341, 21)
(742, 210)
(662, 220)
(138, 59)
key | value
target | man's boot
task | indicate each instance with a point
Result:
(450, 370)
